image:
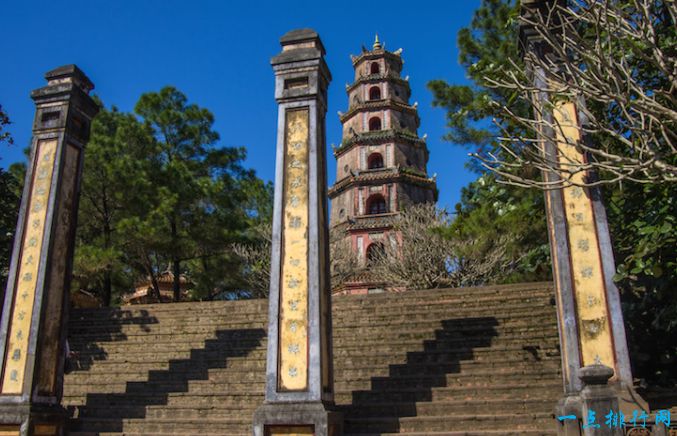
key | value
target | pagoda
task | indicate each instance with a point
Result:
(381, 162)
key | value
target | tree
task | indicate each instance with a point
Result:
(202, 186)
(419, 255)
(9, 213)
(116, 191)
(344, 262)
(617, 60)
(4, 121)
(9, 206)
(158, 191)
(485, 47)
(494, 215)
(643, 225)
(255, 258)
(488, 207)
(641, 216)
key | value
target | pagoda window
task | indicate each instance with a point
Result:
(375, 68)
(376, 204)
(374, 124)
(375, 161)
(375, 251)
(374, 93)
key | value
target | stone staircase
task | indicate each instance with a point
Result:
(471, 361)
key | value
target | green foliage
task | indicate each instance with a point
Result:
(494, 215)
(117, 189)
(10, 194)
(487, 209)
(4, 121)
(204, 200)
(159, 194)
(485, 47)
(641, 217)
(643, 224)
(9, 211)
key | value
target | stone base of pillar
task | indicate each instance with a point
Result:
(32, 420)
(599, 396)
(297, 419)
(628, 399)
(569, 405)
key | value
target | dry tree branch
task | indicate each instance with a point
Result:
(255, 257)
(609, 61)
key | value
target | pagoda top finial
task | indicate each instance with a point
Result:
(377, 43)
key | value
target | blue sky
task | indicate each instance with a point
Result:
(218, 54)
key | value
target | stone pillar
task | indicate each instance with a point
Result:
(589, 313)
(33, 326)
(299, 376)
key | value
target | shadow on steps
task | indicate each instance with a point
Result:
(395, 396)
(161, 383)
(86, 344)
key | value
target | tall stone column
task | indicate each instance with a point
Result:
(33, 326)
(590, 319)
(299, 375)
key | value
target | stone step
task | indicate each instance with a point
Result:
(376, 384)
(220, 375)
(441, 352)
(511, 422)
(84, 341)
(470, 291)
(496, 334)
(243, 400)
(445, 433)
(343, 368)
(207, 386)
(527, 320)
(165, 426)
(435, 393)
(141, 394)
(465, 294)
(351, 363)
(504, 331)
(452, 304)
(519, 327)
(438, 311)
(456, 433)
(433, 341)
(235, 330)
(449, 408)
(126, 433)
(418, 363)
(428, 402)
(440, 408)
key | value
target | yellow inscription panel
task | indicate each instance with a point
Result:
(589, 287)
(293, 321)
(26, 278)
(9, 430)
(290, 431)
(45, 430)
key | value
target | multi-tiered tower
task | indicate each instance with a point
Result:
(381, 162)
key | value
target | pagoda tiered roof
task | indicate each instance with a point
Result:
(377, 54)
(379, 137)
(369, 222)
(382, 175)
(377, 78)
(387, 103)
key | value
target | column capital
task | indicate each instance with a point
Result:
(300, 69)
